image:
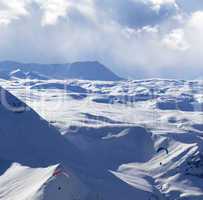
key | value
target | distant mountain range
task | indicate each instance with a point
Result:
(77, 70)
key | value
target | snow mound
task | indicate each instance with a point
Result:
(60, 86)
(115, 145)
(183, 103)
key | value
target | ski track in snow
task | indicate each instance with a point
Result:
(100, 140)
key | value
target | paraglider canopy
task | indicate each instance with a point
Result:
(59, 172)
(162, 149)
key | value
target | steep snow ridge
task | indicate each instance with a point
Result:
(53, 182)
(33, 148)
(24, 134)
(20, 182)
(63, 184)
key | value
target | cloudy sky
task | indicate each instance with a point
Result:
(135, 38)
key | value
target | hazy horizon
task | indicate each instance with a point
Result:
(134, 38)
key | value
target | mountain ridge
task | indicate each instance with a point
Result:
(88, 70)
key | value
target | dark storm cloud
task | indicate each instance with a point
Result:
(136, 13)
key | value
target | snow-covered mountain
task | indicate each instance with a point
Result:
(77, 70)
(32, 156)
(104, 140)
(38, 163)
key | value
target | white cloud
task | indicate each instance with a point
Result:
(12, 10)
(156, 4)
(52, 10)
(175, 40)
(161, 2)
(196, 20)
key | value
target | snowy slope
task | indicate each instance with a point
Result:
(133, 139)
(50, 183)
(29, 151)
(26, 137)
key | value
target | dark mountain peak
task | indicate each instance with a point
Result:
(89, 70)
